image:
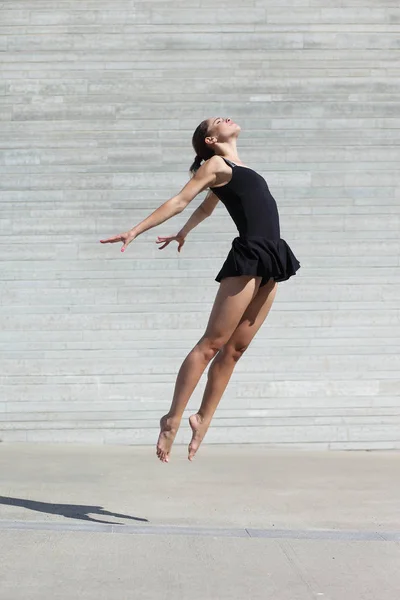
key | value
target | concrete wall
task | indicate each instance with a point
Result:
(98, 104)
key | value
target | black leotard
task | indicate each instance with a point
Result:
(259, 249)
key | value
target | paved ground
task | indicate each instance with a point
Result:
(240, 522)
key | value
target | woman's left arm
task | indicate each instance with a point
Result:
(202, 212)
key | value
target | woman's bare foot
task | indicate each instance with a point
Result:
(169, 426)
(199, 427)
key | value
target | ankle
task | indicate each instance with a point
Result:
(172, 420)
(203, 417)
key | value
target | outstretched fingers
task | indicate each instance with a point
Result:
(162, 241)
(112, 240)
(126, 238)
(167, 240)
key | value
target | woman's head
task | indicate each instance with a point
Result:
(209, 135)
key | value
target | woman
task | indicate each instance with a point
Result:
(258, 259)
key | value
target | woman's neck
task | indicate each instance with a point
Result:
(229, 150)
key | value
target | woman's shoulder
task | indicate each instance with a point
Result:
(220, 170)
(217, 164)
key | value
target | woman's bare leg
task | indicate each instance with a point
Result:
(233, 297)
(223, 364)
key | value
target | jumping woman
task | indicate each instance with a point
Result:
(258, 259)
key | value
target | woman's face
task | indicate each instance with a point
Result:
(222, 128)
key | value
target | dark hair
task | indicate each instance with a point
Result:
(203, 152)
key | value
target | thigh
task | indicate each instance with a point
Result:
(254, 316)
(233, 297)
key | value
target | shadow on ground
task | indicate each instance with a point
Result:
(70, 511)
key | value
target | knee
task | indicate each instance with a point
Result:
(209, 348)
(233, 353)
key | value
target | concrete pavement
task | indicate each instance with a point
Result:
(239, 522)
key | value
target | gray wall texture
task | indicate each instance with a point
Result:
(99, 100)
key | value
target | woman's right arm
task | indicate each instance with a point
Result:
(202, 212)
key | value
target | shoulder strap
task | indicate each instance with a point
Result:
(229, 162)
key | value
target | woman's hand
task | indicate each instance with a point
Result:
(167, 240)
(126, 238)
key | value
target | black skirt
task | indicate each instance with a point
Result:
(259, 257)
